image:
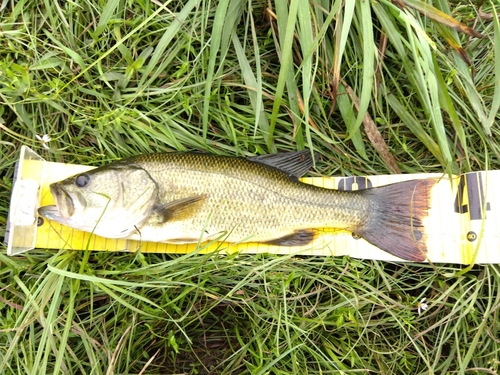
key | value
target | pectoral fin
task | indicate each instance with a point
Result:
(300, 237)
(179, 209)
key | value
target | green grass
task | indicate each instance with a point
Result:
(110, 79)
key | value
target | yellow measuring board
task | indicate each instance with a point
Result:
(463, 225)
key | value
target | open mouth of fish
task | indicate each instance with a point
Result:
(64, 207)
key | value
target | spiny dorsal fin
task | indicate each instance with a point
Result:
(295, 163)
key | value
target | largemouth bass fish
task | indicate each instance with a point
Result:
(191, 197)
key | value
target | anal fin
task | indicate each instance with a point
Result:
(300, 237)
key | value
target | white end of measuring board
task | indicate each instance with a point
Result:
(22, 223)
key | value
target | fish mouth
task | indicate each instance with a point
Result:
(64, 207)
(64, 201)
(66, 204)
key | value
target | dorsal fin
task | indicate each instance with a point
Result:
(295, 163)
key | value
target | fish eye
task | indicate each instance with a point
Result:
(82, 180)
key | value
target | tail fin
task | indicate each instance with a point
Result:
(395, 225)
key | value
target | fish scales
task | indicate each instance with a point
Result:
(248, 200)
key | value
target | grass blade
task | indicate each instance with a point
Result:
(344, 23)
(308, 46)
(159, 51)
(495, 105)
(254, 88)
(286, 29)
(107, 13)
(364, 13)
(215, 43)
(441, 17)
